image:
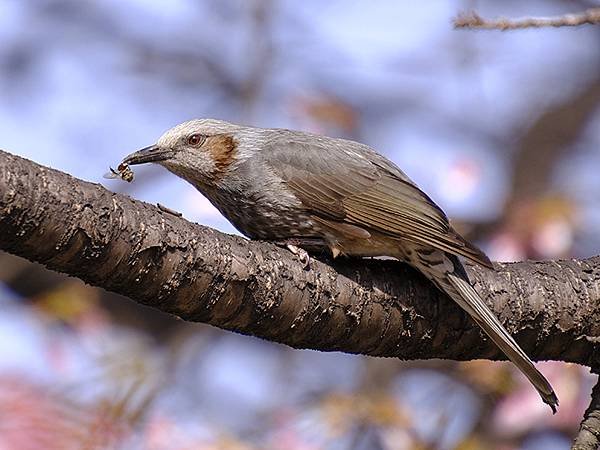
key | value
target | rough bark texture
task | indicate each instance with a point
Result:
(588, 437)
(374, 307)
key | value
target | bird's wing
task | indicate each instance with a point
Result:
(347, 182)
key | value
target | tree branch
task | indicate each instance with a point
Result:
(473, 20)
(373, 307)
(588, 437)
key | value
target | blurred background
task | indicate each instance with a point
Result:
(501, 129)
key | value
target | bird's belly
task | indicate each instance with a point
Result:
(269, 222)
(278, 220)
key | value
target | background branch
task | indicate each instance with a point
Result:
(373, 307)
(473, 20)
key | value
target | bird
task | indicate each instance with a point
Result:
(309, 191)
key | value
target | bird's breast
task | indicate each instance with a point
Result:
(267, 217)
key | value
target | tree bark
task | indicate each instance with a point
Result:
(374, 307)
(588, 437)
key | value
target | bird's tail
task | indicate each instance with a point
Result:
(448, 273)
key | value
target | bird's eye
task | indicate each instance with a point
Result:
(195, 139)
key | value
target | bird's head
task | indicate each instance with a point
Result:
(200, 151)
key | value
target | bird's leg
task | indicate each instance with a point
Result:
(297, 245)
(301, 254)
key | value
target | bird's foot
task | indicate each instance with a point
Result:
(301, 254)
(295, 245)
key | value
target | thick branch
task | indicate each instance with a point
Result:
(473, 20)
(588, 437)
(372, 307)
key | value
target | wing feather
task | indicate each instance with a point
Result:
(348, 182)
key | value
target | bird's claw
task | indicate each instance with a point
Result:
(301, 254)
(299, 246)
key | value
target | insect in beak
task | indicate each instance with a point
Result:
(123, 171)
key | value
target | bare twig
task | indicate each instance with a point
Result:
(473, 20)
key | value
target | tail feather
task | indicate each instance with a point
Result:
(472, 303)
(447, 272)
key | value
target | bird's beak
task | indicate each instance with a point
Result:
(152, 153)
